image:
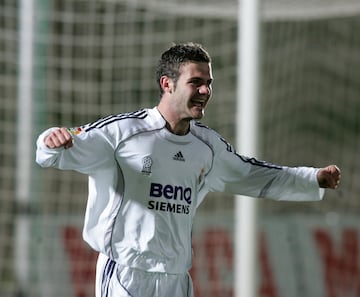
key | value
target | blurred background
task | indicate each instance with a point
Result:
(69, 62)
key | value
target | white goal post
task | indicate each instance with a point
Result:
(248, 82)
(24, 151)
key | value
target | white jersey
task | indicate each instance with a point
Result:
(146, 183)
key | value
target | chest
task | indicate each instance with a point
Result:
(166, 160)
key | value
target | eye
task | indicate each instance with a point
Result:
(197, 82)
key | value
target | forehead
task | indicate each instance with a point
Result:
(193, 69)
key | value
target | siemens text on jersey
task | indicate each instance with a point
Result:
(170, 192)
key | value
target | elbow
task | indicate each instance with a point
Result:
(44, 161)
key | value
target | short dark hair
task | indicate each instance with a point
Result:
(173, 58)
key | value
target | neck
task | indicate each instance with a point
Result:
(179, 128)
(174, 124)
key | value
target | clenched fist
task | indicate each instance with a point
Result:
(329, 177)
(59, 138)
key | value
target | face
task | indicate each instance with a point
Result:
(192, 90)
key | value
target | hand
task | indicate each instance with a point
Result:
(59, 138)
(329, 177)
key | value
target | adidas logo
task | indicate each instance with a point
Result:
(179, 157)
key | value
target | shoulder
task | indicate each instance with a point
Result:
(129, 118)
(127, 124)
(209, 136)
(118, 127)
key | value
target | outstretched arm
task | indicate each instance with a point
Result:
(85, 152)
(329, 177)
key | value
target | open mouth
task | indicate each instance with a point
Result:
(198, 103)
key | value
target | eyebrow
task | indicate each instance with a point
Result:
(209, 81)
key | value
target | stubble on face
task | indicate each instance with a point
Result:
(193, 90)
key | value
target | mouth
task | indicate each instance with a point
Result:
(198, 103)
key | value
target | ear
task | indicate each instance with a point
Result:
(167, 84)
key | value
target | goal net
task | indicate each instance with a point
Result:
(94, 58)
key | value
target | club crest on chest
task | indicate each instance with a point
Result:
(147, 162)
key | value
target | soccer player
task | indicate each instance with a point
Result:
(150, 169)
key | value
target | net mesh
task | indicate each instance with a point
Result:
(94, 58)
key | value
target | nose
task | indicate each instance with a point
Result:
(205, 89)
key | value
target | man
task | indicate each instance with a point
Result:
(150, 169)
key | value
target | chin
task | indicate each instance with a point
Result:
(197, 115)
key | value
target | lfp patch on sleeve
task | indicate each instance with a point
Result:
(75, 130)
